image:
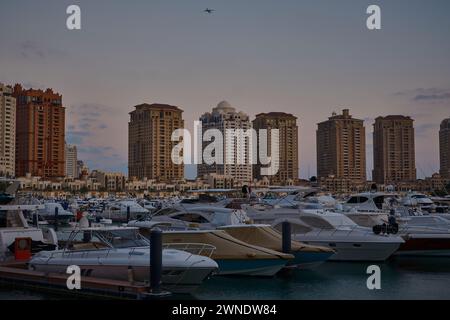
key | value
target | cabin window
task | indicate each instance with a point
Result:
(379, 202)
(317, 222)
(191, 217)
(357, 200)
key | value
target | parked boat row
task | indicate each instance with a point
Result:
(221, 236)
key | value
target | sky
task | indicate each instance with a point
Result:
(308, 58)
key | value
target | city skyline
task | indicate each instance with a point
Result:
(296, 61)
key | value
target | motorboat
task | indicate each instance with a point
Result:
(14, 225)
(54, 211)
(368, 208)
(237, 222)
(123, 210)
(110, 252)
(334, 230)
(204, 217)
(296, 197)
(233, 256)
(305, 256)
(424, 234)
(419, 200)
(442, 204)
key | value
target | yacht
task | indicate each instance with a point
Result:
(48, 213)
(13, 225)
(117, 211)
(233, 256)
(305, 256)
(424, 235)
(334, 230)
(109, 252)
(237, 223)
(297, 197)
(368, 208)
(419, 200)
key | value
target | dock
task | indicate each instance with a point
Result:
(17, 275)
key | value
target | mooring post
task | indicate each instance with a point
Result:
(56, 218)
(286, 234)
(36, 219)
(155, 260)
(128, 214)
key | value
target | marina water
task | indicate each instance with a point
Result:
(401, 278)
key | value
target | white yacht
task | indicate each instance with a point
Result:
(117, 211)
(14, 225)
(258, 237)
(424, 235)
(205, 217)
(297, 197)
(419, 200)
(109, 252)
(48, 212)
(334, 230)
(368, 208)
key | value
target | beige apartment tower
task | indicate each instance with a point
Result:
(393, 149)
(149, 142)
(444, 148)
(225, 118)
(288, 165)
(341, 148)
(7, 131)
(71, 169)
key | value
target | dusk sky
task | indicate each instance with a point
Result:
(308, 58)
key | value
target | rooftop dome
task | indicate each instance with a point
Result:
(224, 107)
(445, 124)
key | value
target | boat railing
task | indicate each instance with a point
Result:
(201, 249)
(340, 230)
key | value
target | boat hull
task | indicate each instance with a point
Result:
(176, 280)
(309, 260)
(356, 250)
(246, 267)
(425, 246)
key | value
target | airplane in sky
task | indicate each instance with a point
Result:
(208, 10)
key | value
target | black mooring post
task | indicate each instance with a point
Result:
(128, 214)
(155, 260)
(56, 218)
(286, 233)
(36, 219)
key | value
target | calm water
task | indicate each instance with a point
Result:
(401, 278)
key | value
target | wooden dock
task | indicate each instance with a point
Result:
(17, 274)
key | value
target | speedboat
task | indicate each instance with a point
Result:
(419, 200)
(424, 235)
(305, 256)
(13, 225)
(336, 231)
(110, 252)
(233, 256)
(118, 211)
(296, 197)
(54, 211)
(368, 208)
(237, 223)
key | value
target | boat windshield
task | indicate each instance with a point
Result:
(124, 238)
(113, 238)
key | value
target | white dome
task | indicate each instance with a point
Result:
(224, 107)
(224, 104)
